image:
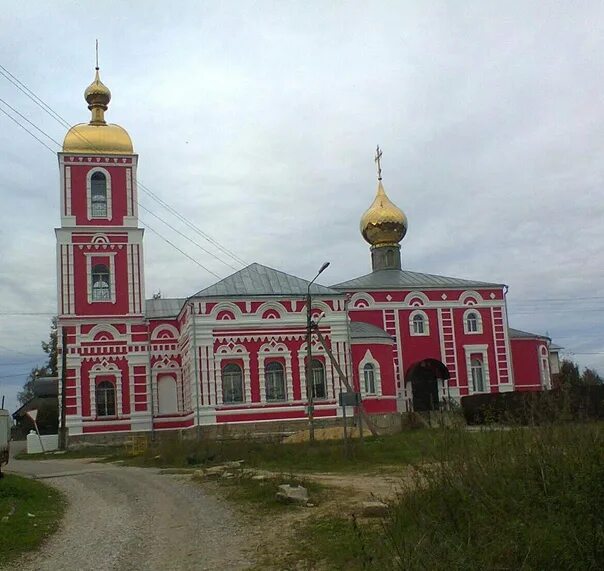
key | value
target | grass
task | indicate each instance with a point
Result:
(259, 496)
(524, 499)
(21, 533)
(325, 456)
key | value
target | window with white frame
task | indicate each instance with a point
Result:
(472, 322)
(418, 323)
(232, 384)
(319, 387)
(369, 379)
(105, 399)
(477, 372)
(100, 283)
(274, 379)
(98, 195)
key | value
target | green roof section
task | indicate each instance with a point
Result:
(257, 280)
(404, 279)
(519, 334)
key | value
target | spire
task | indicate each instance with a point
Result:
(97, 95)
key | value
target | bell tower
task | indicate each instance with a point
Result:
(100, 272)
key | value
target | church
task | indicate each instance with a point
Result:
(237, 352)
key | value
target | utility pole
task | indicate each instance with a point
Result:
(63, 428)
(310, 389)
(344, 379)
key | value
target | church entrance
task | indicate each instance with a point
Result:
(424, 377)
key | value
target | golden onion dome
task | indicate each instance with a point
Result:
(98, 137)
(383, 224)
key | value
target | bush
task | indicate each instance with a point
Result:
(520, 499)
(565, 403)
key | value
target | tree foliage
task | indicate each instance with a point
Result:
(49, 369)
(571, 376)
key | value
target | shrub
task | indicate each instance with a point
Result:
(517, 499)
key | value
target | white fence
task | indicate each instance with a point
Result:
(49, 441)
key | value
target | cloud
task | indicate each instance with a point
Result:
(258, 121)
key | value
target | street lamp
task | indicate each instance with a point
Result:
(309, 381)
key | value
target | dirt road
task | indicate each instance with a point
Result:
(134, 519)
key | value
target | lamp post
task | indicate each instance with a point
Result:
(309, 381)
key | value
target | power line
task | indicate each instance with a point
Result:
(45, 107)
(26, 129)
(181, 251)
(185, 236)
(154, 231)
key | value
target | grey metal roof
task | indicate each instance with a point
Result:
(259, 280)
(396, 279)
(360, 330)
(519, 334)
(163, 308)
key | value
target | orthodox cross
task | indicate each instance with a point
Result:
(97, 55)
(378, 161)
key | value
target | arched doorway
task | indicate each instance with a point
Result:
(424, 377)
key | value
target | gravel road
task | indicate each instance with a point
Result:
(135, 519)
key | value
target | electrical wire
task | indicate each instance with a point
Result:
(46, 108)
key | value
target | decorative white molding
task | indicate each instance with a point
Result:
(270, 351)
(89, 193)
(369, 359)
(466, 314)
(481, 350)
(114, 374)
(416, 299)
(425, 321)
(470, 297)
(231, 353)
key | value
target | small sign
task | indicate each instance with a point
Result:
(33, 414)
(350, 398)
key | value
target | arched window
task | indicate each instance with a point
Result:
(472, 323)
(418, 324)
(232, 384)
(369, 378)
(274, 379)
(477, 376)
(100, 283)
(167, 394)
(98, 195)
(105, 399)
(319, 388)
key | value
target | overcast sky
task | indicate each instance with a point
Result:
(259, 121)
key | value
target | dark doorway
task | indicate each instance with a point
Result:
(423, 377)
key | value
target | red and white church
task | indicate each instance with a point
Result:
(235, 352)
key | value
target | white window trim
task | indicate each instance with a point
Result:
(161, 368)
(317, 350)
(268, 351)
(89, 193)
(236, 353)
(483, 351)
(544, 368)
(369, 359)
(412, 315)
(111, 256)
(106, 369)
(478, 321)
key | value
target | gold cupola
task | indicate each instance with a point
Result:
(98, 136)
(384, 225)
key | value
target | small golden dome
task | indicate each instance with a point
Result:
(98, 137)
(97, 93)
(383, 223)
